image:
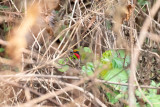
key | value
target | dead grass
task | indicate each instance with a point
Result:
(43, 32)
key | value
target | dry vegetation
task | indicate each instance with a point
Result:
(35, 34)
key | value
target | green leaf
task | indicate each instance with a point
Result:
(88, 68)
(138, 105)
(111, 98)
(127, 60)
(153, 84)
(152, 91)
(83, 68)
(67, 59)
(117, 62)
(90, 64)
(138, 93)
(119, 58)
(103, 73)
(119, 96)
(64, 68)
(87, 49)
(61, 61)
(108, 54)
(122, 53)
(1, 49)
(155, 101)
(106, 57)
(116, 75)
(105, 60)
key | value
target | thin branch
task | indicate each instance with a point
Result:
(40, 76)
(126, 84)
(68, 88)
(96, 80)
(31, 90)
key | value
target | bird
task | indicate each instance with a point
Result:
(76, 53)
(76, 56)
(82, 56)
